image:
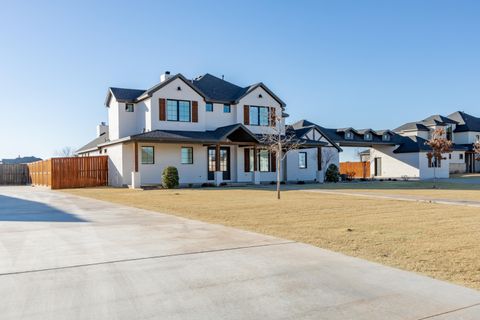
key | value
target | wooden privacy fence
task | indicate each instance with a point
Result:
(73, 172)
(360, 169)
(14, 174)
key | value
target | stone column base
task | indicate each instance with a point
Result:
(256, 177)
(320, 177)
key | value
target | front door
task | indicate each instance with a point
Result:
(378, 167)
(224, 162)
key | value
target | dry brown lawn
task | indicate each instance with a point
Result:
(437, 240)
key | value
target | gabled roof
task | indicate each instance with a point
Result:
(93, 145)
(465, 122)
(217, 89)
(303, 126)
(411, 126)
(123, 95)
(416, 144)
(437, 120)
(211, 88)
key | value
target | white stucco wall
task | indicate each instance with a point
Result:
(394, 165)
(294, 173)
(429, 173)
(466, 137)
(115, 165)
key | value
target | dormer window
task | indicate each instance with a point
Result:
(368, 136)
(386, 137)
(348, 135)
(129, 107)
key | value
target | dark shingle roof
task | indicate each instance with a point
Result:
(465, 122)
(437, 120)
(414, 126)
(129, 95)
(235, 131)
(218, 89)
(20, 160)
(94, 143)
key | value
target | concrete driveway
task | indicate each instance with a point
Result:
(66, 257)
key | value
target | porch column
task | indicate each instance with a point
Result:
(218, 175)
(320, 175)
(136, 181)
(255, 173)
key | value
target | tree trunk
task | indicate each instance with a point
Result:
(278, 175)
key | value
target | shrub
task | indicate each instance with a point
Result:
(332, 174)
(300, 182)
(170, 178)
(208, 185)
(350, 175)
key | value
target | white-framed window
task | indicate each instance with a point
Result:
(302, 160)
(129, 107)
(386, 137)
(348, 135)
(227, 108)
(187, 155)
(148, 155)
(209, 107)
(263, 160)
(368, 136)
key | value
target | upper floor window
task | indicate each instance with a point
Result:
(258, 116)
(478, 138)
(348, 135)
(449, 133)
(386, 137)
(302, 160)
(129, 107)
(148, 155)
(187, 155)
(227, 108)
(209, 107)
(460, 156)
(368, 136)
(178, 110)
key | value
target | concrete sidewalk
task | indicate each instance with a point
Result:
(66, 257)
(398, 197)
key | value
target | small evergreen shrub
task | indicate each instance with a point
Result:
(332, 174)
(170, 178)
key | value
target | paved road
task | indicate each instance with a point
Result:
(65, 257)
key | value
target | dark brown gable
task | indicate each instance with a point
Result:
(162, 113)
(246, 153)
(246, 115)
(194, 111)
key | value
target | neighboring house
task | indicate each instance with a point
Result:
(208, 128)
(402, 152)
(20, 160)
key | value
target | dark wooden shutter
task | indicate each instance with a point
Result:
(273, 116)
(273, 162)
(162, 113)
(319, 158)
(246, 115)
(429, 160)
(194, 111)
(246, 153)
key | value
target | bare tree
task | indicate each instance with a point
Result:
(327, 157)
(65, 152)
(476, 150)
(440, 145)
(279, 144)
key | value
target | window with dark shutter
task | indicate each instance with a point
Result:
(162, 113)
(273, 117)
(194, 111)
(273, 162)
(246, 159)
(246, 115)
(319, 158)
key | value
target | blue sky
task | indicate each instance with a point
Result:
(338, 63)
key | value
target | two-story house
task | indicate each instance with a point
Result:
(209, 129)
